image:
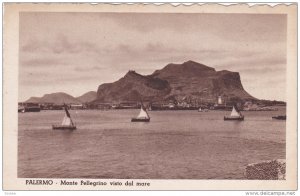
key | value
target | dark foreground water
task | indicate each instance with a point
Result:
(174, 145)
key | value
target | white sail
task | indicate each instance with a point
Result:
(234, 113)
(66, 121)
(143, 114)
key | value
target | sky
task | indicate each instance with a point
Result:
(76, 52)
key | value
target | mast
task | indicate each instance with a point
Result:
(145, 110)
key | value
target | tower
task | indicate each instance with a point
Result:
(220, 100)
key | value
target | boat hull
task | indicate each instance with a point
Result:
(21, 110)
(140, 120)
(240, 118)
(279, 117)
(32, 109)
(63, 127)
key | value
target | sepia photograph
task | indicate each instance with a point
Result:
(153, 95)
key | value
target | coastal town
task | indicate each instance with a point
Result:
(186, 104)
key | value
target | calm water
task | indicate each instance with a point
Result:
(174, 145)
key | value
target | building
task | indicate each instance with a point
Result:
(76, 106)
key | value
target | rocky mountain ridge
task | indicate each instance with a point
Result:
(175, 82)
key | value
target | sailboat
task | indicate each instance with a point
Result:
(235, 114)
(279, 117)
(67, 122)
(142, 117)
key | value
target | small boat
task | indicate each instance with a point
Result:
(142, 117)
(235, 115)
(279, 117)
(21, 109)
(67, 123)
(202, 110)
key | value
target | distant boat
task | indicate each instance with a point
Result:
(279, 117)
(235, 115)
(202, 110)
(142, 117)
(21, 109)
(67, 122)
(29, 107)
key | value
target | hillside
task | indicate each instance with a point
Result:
(87, 97)
(175, 82)
(133, 87)
(56, 98)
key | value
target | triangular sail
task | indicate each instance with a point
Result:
(143, 114)
(67, 121)
(235, 112)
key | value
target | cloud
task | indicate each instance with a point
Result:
(88, 69)
(41, 62)
(60, 44)
(94, 48)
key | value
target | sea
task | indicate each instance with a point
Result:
(173, 145)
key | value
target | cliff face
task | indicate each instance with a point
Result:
(175, 81)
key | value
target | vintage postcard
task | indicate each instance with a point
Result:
(147, 97)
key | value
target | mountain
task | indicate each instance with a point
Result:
(56, 98)
(133, 87)
(190, 80)
(33, 100)
(197, 80)
(87, 97)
